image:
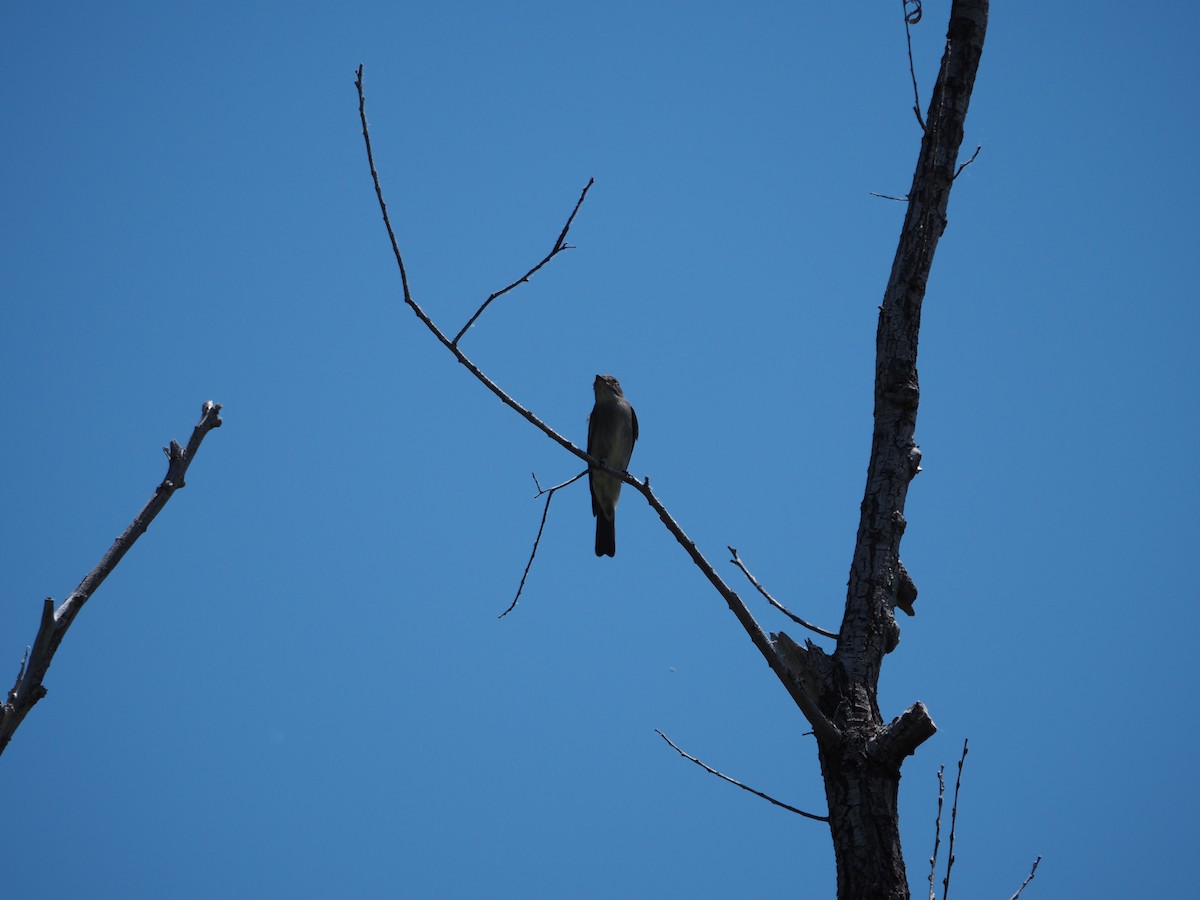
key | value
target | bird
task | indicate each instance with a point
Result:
(612, 431)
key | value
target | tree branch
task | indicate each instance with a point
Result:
(958, 171)
(1032, 872)
(724, 777)
(902, 736)
(559, 246)
(549, 492)
(912, 18)
(820, 724)
(937, 831)
(953, 824)
(28, 689)
(737, 561)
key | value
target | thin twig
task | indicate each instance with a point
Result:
(912, 18)
(559, 246)
(888, 197)
(937, 832)
(537, 540)
(733, 781)
(1032, 872)
(969, 161)
(953, 824)
(822, 726)
(28, 689)
(737, 561)
(362, 114)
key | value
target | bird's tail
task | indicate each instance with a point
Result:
(606, 536)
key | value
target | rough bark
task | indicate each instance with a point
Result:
(860, 755)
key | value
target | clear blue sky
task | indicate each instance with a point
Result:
(296, 684)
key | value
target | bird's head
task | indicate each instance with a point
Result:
(607, 385)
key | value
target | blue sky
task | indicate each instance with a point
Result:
(296, 684)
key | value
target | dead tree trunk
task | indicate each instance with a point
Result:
(861, 755)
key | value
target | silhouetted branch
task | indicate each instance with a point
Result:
(737, 561)
(559, 246)
(937, 832)
(912, 18)
(537, 540)
(953, 825)
(28, 689)
(969, 161)
(733, 781)
(1032, 872)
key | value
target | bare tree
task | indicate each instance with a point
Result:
(860, 753)
(28, 689)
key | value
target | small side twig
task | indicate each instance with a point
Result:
(968, 162)
(912, 18)
(537, 540)
(1032, 872)
(953, 823)
(559, 246)
(937, 832)
(28, 688)
(888, 197)
(737, 561)
(766, 797)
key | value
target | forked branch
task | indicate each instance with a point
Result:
(559, 246)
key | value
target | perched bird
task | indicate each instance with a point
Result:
(612, 430)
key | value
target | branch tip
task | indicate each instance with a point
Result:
(1032, 872)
